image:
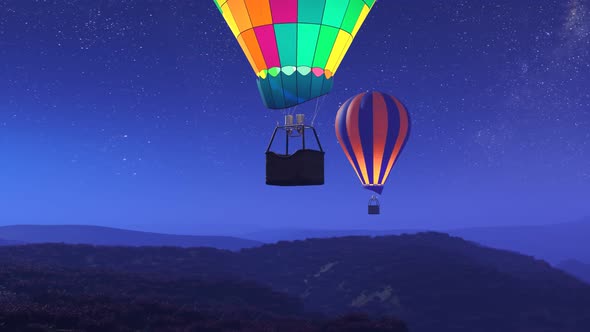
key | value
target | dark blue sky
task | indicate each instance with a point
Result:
(145, 115)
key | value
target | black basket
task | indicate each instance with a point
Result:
(374, 207)
(303, 168)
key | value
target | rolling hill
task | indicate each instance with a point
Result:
(9, 242)
(96, 235)
(85, 299)
(432, 281)
(567, 240)
(554, 242)
(577, 269)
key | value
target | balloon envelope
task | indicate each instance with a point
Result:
(372, 129)
(294, 46)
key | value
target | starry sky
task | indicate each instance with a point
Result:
(145, 114)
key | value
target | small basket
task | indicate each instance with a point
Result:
(374, 207)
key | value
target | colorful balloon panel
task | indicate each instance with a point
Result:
(372, 129)
(294, 46)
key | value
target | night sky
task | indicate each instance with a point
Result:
(145, 115)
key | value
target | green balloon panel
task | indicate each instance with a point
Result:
(294, 46)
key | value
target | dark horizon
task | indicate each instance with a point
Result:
(246, 229)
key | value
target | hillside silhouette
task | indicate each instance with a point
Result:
(576, 268)
(432, 281)
(4, 242)
(568, 240)
(98, 235)
(59, 299)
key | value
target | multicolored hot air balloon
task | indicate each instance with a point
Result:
(372, 129)
(294, 46)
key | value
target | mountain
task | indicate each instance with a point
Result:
(9, 242)
(432, 281)
(567, 240)
(276, 235)
(553, 243)
(95, 235)
(576, 268)
(85, 299)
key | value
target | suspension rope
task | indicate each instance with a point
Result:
(315, 113)
(318, 106)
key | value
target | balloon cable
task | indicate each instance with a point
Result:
(317, 108)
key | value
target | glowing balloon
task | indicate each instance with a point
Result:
(372, 129)
(294, 46)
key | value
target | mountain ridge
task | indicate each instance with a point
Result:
(110, 236)
(567, 239)
(432, 281)
(580, 270)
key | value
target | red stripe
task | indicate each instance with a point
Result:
(380, 126)
(354, 135)
(342, 112)
(403, 132)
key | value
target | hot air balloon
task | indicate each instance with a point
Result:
(294, 47)
(372, 129)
